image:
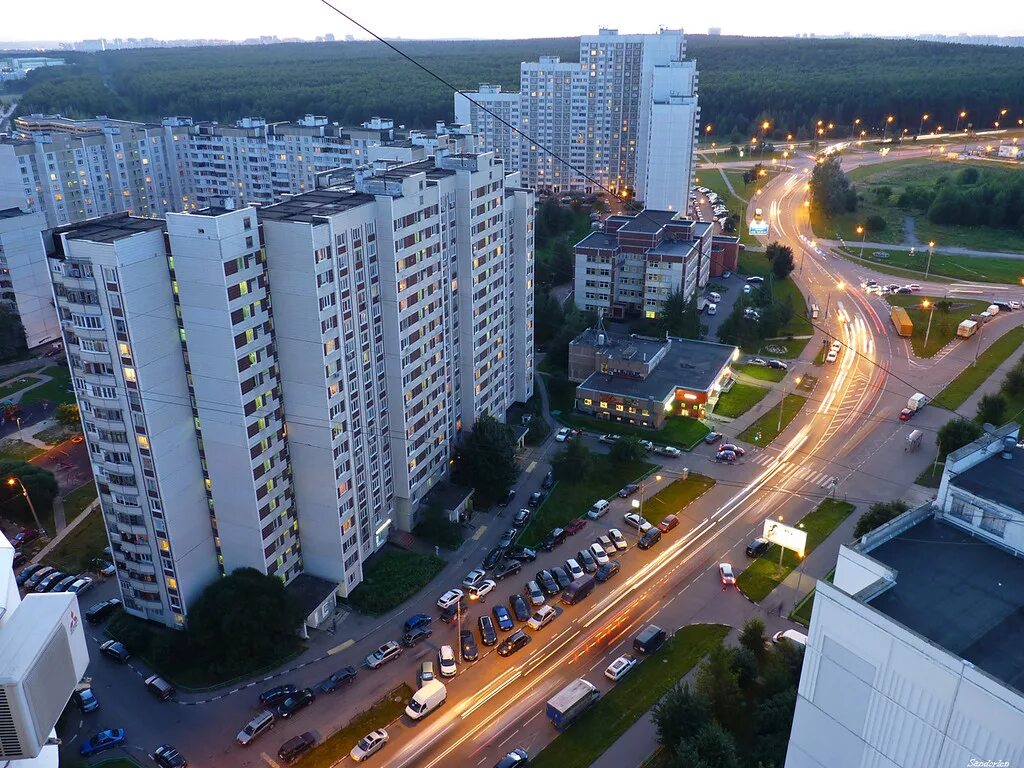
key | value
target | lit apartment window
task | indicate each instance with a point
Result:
(123, 349)
(129, 374)
(143, 442)
(603, 404)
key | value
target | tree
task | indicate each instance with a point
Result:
(745, 665)
(830, 188)
(1014, 381)
(991, 409)
(875, 223)
(679, 317)
(547, 316)
(878, 514)
(12, 335)
(882, 194)
(67, 415)
(573, 464)
(955, 434)
(714, 746)
(753, 638)
(781, 258)
(41, 486)
(679, 714)
(435, 527)
(716, 682)
(242, 622)
(773, 720)
(487, 460)
(627, 450)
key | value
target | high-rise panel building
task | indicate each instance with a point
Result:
(24, 275)
(624, 117)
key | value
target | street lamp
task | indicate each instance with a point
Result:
(12, 481)
(924, 119)
(856, 123)
(959, 117)
(931, 250)
(638, 504)
(928, 304)
(863, 232)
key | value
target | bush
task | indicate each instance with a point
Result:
(875, 223)
(391, 578)
(435, 527)
(879, 514)
(991, 409)
(955, 434)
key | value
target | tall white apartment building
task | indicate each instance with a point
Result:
(624, 115)
(519, 202)
(25, 275)
(494, 124)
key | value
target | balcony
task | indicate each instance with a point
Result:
(91, 356)
(107, 444)
(75, 279)
(117, 467)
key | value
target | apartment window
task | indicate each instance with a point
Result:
(129, 374)
(143, 442)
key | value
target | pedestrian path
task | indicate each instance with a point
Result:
(792, 469)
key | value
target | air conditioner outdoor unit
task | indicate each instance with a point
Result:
(43, 655)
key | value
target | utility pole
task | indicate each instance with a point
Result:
(14, 480)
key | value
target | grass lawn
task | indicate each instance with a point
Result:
(931, 475)
(766, 428)
(763, 574)
(391, 578)
(11, 386)
(740, 399)
(753, 263)
(675, 496)
(336, 747)
(802, 612)
(89, 537)
(629, 700)
(56, 390)
(58, 433)
(18, 450)
(972, 377)
(986, 269)
(897, 175)
(570, 500)
(944, 324)
(761, 372)
(793, 348)
(786, 292)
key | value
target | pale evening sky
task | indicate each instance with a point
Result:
(237, 19)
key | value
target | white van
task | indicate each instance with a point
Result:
(993, 309)
(815, 312)
(599, 508)
(428, 698)
(792, 635)
(715, 296)
(712, 309)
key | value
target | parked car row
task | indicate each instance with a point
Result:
(40, 578)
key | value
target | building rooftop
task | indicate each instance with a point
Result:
(674, 248)
(426, 166)
(995, 478)
(619, 346)
(11, 213)
(308, 592)
(648, 221)
(960, 593)
(599, 240)
(310, 206)
(688, 364)
(112, 228)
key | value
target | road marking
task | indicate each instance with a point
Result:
(531, 466)
(268, 760)
(479, 532)
(341, 647)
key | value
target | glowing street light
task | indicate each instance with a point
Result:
(961, 116)
(924, 119)
(929, 305)
(13, 481)
(863, 232)
(931, 250)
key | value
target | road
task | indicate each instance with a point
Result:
(848, 431)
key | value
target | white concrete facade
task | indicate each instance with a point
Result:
(25, 275)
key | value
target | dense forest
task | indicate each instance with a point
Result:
(743, 81)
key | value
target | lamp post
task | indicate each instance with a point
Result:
(928, 266)
(863, 232)
(638, 504)
(782, 549)
(16, 481)
(853, 130)
(959, 117)
(924, 119)
(885, 126)
(928, 304)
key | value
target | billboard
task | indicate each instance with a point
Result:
(785, 536)
(759, 224)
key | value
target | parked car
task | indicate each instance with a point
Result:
(488, 635)
(103, 567)
(18, 559)
(544, 616)
(634, 520)
(99, 611)
(24, 536)
(417, 636)
(536, 499)
(37, 576)
(757, 547)
(446, 661)
(507, 499)
(296, 747)
(81, 585)
(726, 574)
(586, 559)
(50, 581)
(598, 553)
(369, 745)
(651, 537)
(574, 569)
(523, 554)
(547, 583)
(575, 526)
(553, 539)
(167, 756)
(514, 642)
(610, 439)
(738, 450)
(477, 575)
(416, 621)
(618, 668)
(670, 522)
(670, 451)
(492, 557)
(102, 741)
(628, 490)
(85, 699)
(503, 617)
(831, 356)
(606, 544)
(727, 456)
(562, 577)
(507, 568)
(618, 539)
(712, 437)
(385, 653)
(481, 590)
(159, 687)
(116, 651)
(522, 517)
(562, 435)
(778, 365)
(548, 482)
(468, 645)
(535, 593)
(520, 609)
(449, 614)
(274, 696)
(504, 543)
(338, 679)
(760, 362)
(607, 570)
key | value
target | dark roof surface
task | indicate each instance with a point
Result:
(112, 229)
(648, 221)
(10, 213)
(599, 240)
(674, 248)
(308, 592)
(997, 479)
(959, 592)
(310, 205)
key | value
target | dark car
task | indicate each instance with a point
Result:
(469, 649)
(274, 696)
(628, 490)
(553, 539)
(549, 481)
(418, 635)
(523, 554)
(488, 634)
(295, 702)
(712, 437)
(338, 679)
(561, 576)
(522, 517)
(102, 741)
(517, 758)
(493, 557)
(757, 547)
(607, 570)
(503, 617)
(586, 560)
(508, 498)
(86, 700)
(649, 539)
(536, 498)
(506, 539)
(416, 621)
(778, 364)
(167, 756)
(116, 651)
(513, 643)
(48, 582)
(449, 614)
(547, 583)
(100, 611)
(519, 607)
(19, 558)
(507, 568)
(575, 526)
(296, 747)
(26, 573)
(24, 536)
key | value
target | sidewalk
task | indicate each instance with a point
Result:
(64, 531)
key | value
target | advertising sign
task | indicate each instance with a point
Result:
(759, 224)
(785, 536)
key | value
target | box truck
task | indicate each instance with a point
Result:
(571, 702)
(900, 318)
(967, 328)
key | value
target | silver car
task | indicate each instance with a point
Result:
(369, 744)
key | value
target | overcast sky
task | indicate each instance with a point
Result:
(239, 19)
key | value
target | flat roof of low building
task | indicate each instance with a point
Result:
(599, 240)
(618, 346)
(112, 228)
(309, 206)
(674, 248)
(648, 221)
(11, 213)
(959, 592)
(688, 364)
(426, 166)
(309, 592)
(996, 478)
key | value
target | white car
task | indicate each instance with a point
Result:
(482, 589)
(562, 435)
(837, 345)
(1013, 304)
(618, 668)
(446, 661)
(832, 356)
(671, 451)
(574, 569)
(610, 439)
(534, 591)
(544, 616)
(648, 445)
(474, 577)
(81, 586)
(726, 574)
(368, 745)
(916, 287)
(449, 598)
(618, 539)
(606, 545)
(633, 519)
(599, 554)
